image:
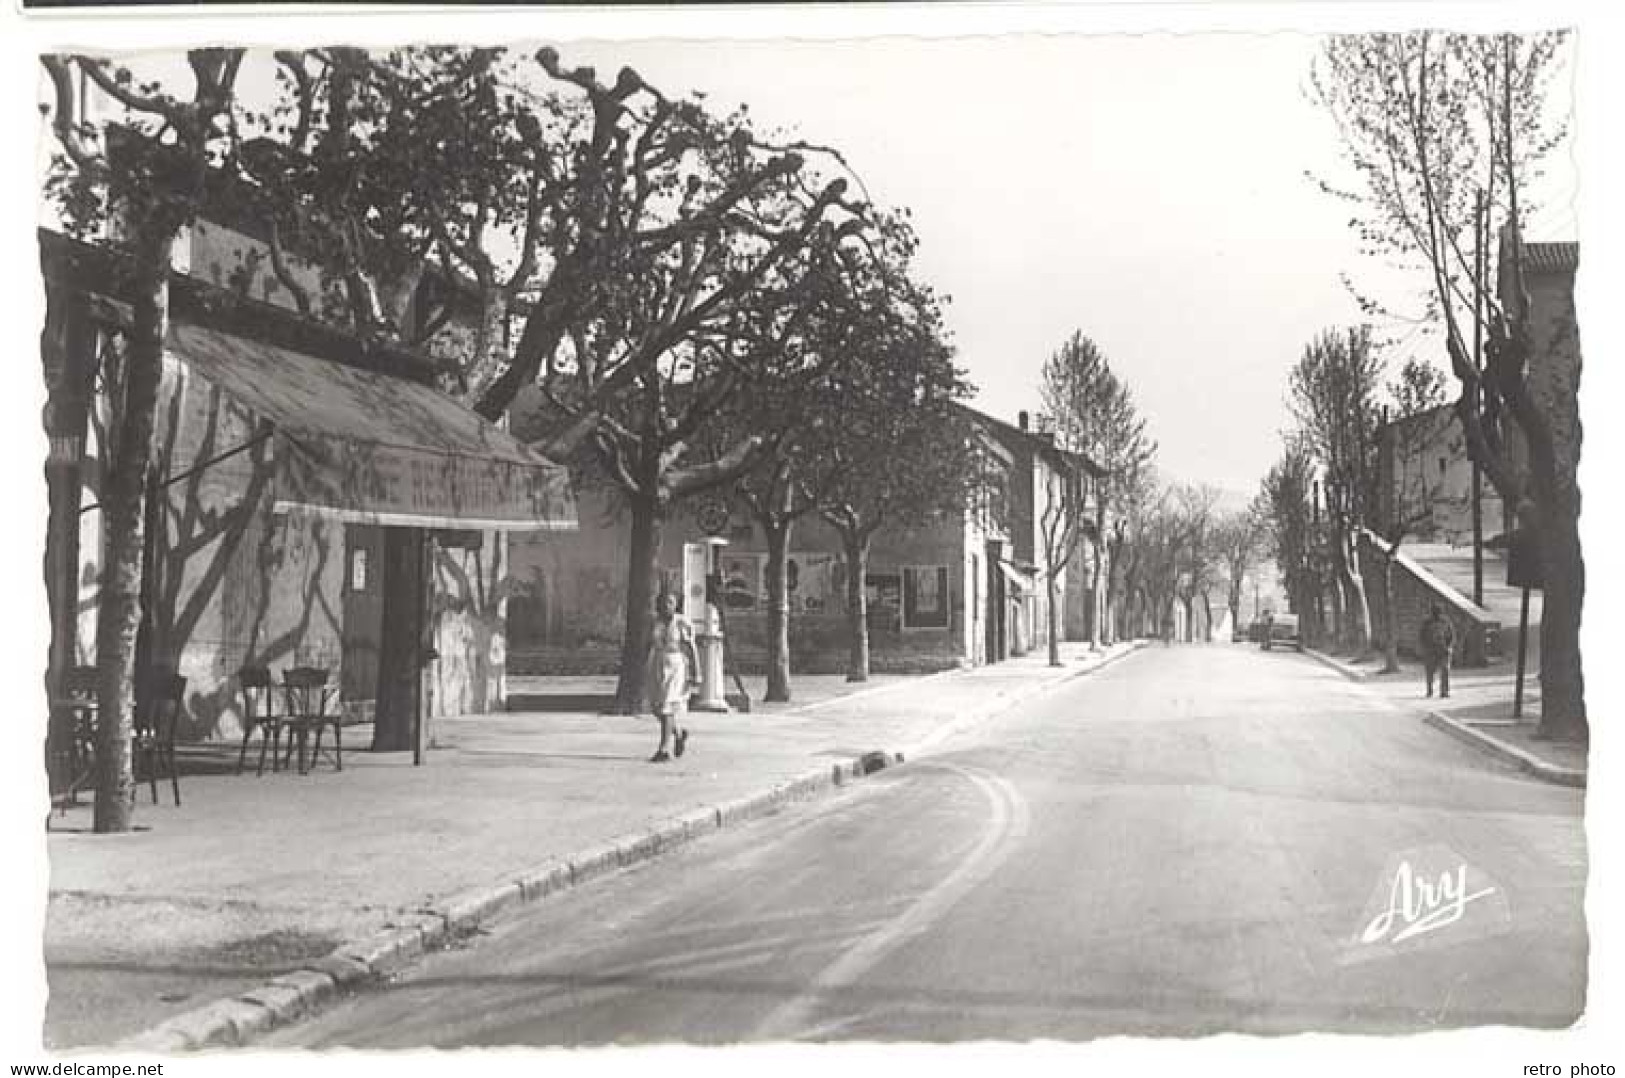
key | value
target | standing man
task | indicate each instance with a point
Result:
(1437, 643)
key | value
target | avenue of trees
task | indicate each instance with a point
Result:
(1334, 488)
(1153, 544)
(1444, 136)
(654, 269)
(1094, 414)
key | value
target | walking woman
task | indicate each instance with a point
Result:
(672, 668)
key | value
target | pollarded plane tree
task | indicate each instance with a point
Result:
(1239, 538)
(1285, 495)
(1133, 492)
(1333, 396)
(1094, 414)
(1073, 379)
(869, 297)
(1200, 562)
(901, 451)
(635, 257)
(723, 299)
(1413, 427)
(142, 167)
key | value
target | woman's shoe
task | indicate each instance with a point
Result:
(682, 741)
(659, 757)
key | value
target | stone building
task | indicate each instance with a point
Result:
(1425, 456)
(963, 590)
(1427, 478)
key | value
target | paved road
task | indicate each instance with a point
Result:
(1193, 840)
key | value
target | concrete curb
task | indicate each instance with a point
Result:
(1524, 760)
(236, 1021)
(1353, 673)
(1071, 675)
(942, 733)
(872, 690)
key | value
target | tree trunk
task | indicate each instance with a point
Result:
(1391, 609)
(1109, 611)
(1097, 604)
(1207, 614)
(123, 537)
(643, 571)
(1054, 620)
(1359, 610)
(1339, 624)
(480, 369)
(856, 548)
(1562, 678)
(778, 611)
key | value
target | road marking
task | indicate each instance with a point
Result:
(1008, 820)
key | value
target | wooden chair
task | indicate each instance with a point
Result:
(157, 715)
(260, 713)
(308, 698)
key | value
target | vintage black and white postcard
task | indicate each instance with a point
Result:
(750, 527)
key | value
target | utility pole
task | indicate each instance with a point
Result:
(1478, 364)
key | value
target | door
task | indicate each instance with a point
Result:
(402, 649)
(363, 613)
(995, 603)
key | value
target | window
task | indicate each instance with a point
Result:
(925, 597)
(811, 582)
(975, 585)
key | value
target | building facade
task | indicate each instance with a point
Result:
(964, 589)
(307, 492)
(1428, 481)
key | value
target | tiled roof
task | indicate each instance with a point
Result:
(1551, 257)
(1040, 443)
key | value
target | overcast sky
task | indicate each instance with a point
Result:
(1147, 190)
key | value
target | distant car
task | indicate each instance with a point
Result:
(1282, 631)
(1256, 631)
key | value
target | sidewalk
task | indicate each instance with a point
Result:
(319, 880)
(597, 694)
(1478, 711)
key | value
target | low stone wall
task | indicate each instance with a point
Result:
(1478, 633)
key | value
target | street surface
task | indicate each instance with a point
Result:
(1189, 841)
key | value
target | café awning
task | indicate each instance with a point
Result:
(365, 447)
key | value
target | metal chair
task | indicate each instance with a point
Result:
(157, 714)
(308, 696)
(259, 713)
(72, 740)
